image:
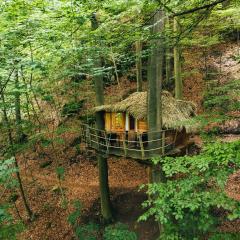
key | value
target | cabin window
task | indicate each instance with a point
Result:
(118, 122)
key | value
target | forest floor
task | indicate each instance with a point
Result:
(81, 183)
(125, 176)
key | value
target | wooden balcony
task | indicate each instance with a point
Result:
(130, 144)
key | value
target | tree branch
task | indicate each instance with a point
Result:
(5, 84)
(198, 8)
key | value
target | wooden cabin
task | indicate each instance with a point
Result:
(126, 123)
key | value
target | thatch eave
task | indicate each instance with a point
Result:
(177, 114)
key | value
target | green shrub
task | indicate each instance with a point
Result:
(92, 231)
(188, 203)
(72, 108)
(8, 227)
(82, 231)
(87, 232)
(225, 236)
(223, 98)
(118, 231)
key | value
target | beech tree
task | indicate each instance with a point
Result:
(177, 64)
(102, 161)
(138, 46)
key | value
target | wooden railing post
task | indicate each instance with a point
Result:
(88, 135)
(163, 142)
(108, 143)
(124, 144)
(141, 145)
(105, 139)
(97, 136)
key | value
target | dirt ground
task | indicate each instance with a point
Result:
(81, 183)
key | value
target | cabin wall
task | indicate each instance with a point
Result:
(142, 126)
(108, 122)
(120, 122)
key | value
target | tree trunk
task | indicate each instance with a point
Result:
(155, 79)
(177, 65)
(18, 109)
(139, 65)
(106, 209)
(11, 143)
(168, 57)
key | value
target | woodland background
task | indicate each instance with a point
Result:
(49, 181)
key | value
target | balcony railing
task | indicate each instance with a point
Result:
(138, 145)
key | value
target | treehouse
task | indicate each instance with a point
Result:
(126, 128)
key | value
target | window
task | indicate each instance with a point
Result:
(119, 120)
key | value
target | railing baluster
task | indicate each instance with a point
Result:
(163, 142)
(124, 144)
(141, 145)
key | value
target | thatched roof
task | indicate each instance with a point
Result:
(176, 113)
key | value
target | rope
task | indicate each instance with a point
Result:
(121, 140)
(96, 138)
(138, 150)
(144, 133)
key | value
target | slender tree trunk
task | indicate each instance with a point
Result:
(17, 211)
(115, 68)
(138, 45)
(22, 192)
(168, 57)
(26, 94)
(177, 65)
(106, 208)
(11, 143)
(18, 109)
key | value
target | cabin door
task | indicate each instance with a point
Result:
(131, 123)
